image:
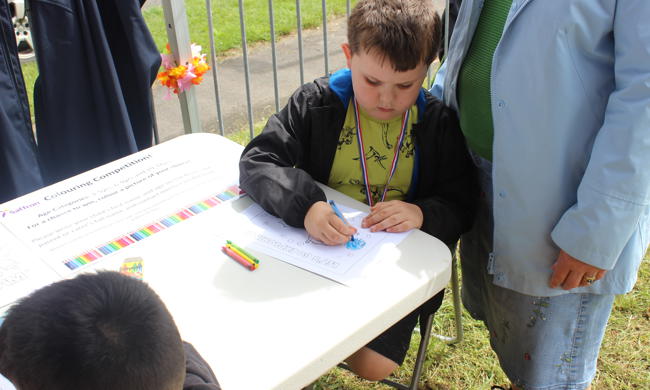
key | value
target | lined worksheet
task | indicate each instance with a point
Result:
(341, 263)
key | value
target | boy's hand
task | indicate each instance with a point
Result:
(322, 224)
(393, 216)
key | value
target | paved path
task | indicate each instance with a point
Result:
(232, 82)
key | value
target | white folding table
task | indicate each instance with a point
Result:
(278, 327)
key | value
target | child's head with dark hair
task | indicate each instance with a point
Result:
(103, 331)
(391, 44)
(405, 32)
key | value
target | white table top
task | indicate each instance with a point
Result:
(278, 327)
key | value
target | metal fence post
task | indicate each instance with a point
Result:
(325, 52)
(274, 57)
(213, 58)
(178, 34)
(300, 55)
(244, 46)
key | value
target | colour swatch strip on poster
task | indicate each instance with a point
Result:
(230, 193)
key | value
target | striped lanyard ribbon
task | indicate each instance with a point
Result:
(362, 154)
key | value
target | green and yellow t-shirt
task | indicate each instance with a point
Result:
(380, 138)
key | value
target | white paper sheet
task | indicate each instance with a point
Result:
(86, 212)
(21, 271)
(340, 263)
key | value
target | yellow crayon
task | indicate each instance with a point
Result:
(248, 255)
(243, 256)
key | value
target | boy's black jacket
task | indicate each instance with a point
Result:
(198, 374)
(278, 168)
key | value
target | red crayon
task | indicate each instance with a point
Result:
(238, 258)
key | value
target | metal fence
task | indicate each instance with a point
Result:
(179, 39)
(178, 34)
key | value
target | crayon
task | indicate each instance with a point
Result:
(244, 252)
(237, 251)
(340, 215)
(238, 259)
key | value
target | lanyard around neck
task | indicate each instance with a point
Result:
(362, 153)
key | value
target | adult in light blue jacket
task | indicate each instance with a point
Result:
(565, 218)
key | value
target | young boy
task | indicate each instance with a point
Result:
(102, 331)
(373, 133)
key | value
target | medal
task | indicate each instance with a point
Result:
(362, 153)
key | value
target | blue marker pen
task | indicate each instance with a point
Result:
(340, 215)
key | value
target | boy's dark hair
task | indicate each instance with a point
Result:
(103, 331)
(407, 32)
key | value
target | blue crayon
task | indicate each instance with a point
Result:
(340, 215)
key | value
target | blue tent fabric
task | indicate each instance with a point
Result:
(19, 168)
(97, 62)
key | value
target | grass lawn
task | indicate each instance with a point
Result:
(30, 73)
(226, 20)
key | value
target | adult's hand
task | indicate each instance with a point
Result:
(569, 272)
(322, 224)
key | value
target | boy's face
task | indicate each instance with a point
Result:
(382, 92)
